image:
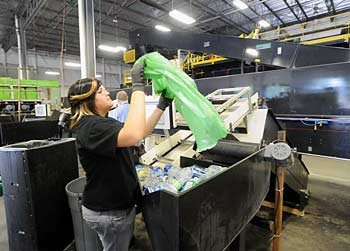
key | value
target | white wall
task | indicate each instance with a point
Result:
(43, 61)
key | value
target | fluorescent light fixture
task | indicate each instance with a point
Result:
(263, 23)
(72, 64)
(162, 28)
(111, 48)
(181, 17)
(98, 76)
(240, 4)
(252, 52)
(54, 73)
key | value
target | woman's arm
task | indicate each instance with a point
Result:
(152, 121)
(134, 128)
(135, 124)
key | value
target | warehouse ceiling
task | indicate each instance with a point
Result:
(46, 20)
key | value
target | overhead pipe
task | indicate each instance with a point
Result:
(87, 38)
(24, 55)
(20, 48)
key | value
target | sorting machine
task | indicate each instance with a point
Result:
(309, 93)
(211, 216)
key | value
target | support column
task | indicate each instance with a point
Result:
(5, 59)
(87, 38)
(21, 59)
(120, 74)
(179, 58)
(35, 64)
(103, 71)
(25, 55)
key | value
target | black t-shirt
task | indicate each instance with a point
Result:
(111, 177)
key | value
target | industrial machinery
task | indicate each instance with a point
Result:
(211, 216)
(23, 95)
(309, 92)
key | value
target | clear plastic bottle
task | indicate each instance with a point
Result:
(191, 183)
(179, 176)
(143, 172)
(157, 172)
(173, 171)
(169, 187)
(199, 173)
(213, 170)
(150, 184)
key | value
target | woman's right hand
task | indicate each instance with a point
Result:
(137, 77)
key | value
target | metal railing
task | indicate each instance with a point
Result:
(315, 27)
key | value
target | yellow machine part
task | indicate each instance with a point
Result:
(129, 56)
(127, 77)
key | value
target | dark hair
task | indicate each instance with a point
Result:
(81, 97)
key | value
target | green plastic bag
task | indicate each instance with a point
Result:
(203, 120)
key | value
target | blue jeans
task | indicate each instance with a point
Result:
(115, 228)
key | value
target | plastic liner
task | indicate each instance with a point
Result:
(202, 118)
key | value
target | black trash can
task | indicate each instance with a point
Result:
(86, 239)
(34, 175)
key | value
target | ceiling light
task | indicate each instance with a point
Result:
(162, 28)
(252, 52)
(181, 17)
(72, 64)
(240, 4)
(263, 23)
(54, 73)
(111, 48)
(98, 76)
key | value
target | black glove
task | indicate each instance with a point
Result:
(164, 102)
(137, 78)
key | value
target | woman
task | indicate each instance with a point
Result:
(103, 145)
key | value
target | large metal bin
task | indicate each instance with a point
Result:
(14, 132)
(34, 176)
(210, 216)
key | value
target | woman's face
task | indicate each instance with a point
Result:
(103, 102)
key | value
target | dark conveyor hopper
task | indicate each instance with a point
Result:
(210, 216)
(228, 152)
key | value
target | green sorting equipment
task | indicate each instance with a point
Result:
(29, 88)
(5, 93)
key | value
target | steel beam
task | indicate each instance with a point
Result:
(302, 10)
(213, 13)
(30, 11)
(77, 19)
(330, 6)
(141, 14)
(333, 8)
(291, 10)
(239, 10)
(200, 6)
(274, 13)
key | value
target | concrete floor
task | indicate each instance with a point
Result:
(324, 227)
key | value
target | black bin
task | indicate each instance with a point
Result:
(210, 216)
(34, 175)
(14, 132)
